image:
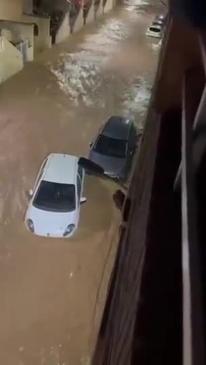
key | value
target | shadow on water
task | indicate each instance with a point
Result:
(99, 201)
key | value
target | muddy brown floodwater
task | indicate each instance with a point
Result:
(53, 291)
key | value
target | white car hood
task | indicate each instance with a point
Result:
(51, 224)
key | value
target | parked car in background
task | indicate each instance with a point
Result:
(158, 22)
(54, 206)
(161, 17)
(154, 31)
(114, 147)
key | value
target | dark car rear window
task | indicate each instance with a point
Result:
(111, 147)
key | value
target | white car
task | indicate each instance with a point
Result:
(154, 31)
(54, 207)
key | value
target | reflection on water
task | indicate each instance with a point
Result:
(136, 5)
(91, 75)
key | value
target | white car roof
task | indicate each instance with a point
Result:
(61, 168)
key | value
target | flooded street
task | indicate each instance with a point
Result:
(53, 291)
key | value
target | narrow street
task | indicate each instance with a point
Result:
(53, 291)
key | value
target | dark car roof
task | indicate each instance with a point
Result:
(117, 127)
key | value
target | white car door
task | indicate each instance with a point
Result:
(79, 189)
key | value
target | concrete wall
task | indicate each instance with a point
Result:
(90, 15)
(109, 5)
(11, 60)
(79, 22)
(74, 26)
(98, 10)
(10, 9)
(50, 5)
(18, 33)
(64, 29)
(27, 6)
(13, 10)
(43, 39)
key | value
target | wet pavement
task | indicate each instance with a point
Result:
(53, 291)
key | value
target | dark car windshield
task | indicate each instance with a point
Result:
(55, 197)
(111, 146)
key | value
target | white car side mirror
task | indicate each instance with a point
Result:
(30, 193)
(83, 200)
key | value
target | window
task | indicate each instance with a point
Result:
(55, 197)
(111, 147)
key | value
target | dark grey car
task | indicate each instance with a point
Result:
(114, 147)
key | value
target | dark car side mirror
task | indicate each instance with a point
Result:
(29, 194)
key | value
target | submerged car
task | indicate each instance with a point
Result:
(114, 147)
(54, 206)
(154, 31)
(161, 17)
(158, 22)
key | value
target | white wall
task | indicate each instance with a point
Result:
(43, 40)
(13, 10)
(11, 60)
(20, 32)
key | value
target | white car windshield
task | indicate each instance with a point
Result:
(55, 197)
(111, 147)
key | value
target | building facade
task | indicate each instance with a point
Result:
(156, 306)
(22, 34)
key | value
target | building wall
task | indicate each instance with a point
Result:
(14, 11)
(19, 33)
(11, 60)
(43, 39)
(28, 6)
(64, 30)
(20, 11)
(108, 6)
(49, 6)
(11, 9)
